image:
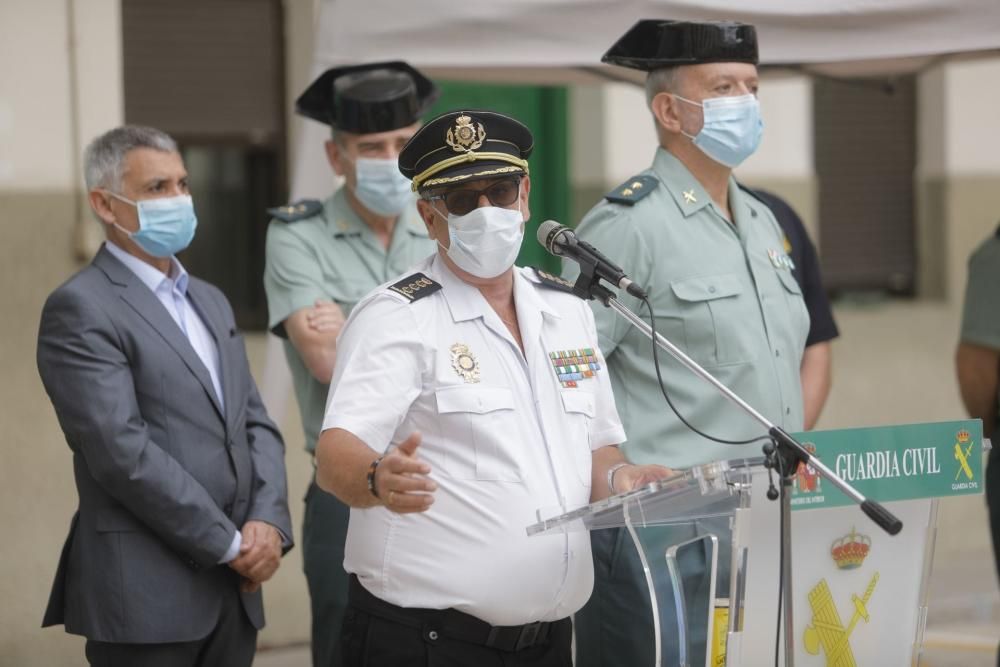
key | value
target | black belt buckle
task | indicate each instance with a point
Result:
(529, 633)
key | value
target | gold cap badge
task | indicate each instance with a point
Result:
(466, 135)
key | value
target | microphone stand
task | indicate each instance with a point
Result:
(782, 453)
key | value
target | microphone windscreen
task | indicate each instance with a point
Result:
(547, 231)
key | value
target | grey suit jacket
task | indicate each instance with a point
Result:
(164, 474)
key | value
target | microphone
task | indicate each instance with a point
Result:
(562, 241)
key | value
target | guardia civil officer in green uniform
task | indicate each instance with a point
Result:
(711, 257)
(977, 362)
(322, 257)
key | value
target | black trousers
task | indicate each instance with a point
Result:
(377, 634)
(232, 643)
(993, 506)
(324, 533)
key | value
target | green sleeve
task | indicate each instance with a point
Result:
(293, 278)
(981, 313)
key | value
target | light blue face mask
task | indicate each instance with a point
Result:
(166, 225)
(731, 130)
(381, 187)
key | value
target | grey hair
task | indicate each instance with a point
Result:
(663, 80)
(104, 157)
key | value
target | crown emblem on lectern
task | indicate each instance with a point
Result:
(850, 551)
(963, 436)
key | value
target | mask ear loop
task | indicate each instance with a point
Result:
(697, 104)
(127, 201)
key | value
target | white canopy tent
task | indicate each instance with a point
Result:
(562, 40)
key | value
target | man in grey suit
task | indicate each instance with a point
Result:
(183, 508)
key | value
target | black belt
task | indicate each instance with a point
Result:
(452, 623)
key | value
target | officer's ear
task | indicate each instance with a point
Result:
(666, 109)
(431, 220)
(100, 204)
(336, 155)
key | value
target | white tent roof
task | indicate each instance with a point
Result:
(559, 40)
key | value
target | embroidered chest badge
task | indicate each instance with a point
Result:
(571, 366)
(466, 365)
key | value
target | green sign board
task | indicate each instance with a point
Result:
(889, 463)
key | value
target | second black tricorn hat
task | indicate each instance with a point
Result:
(363, 99)
(655, 43)
(466, 145)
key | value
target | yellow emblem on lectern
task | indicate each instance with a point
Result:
(827, 632)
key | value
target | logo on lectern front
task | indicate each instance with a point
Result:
(827, 633)
(850, 551)
(807, 480)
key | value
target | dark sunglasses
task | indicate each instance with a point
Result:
(463, 201)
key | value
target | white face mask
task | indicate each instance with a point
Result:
(485, 241)
(381, 187)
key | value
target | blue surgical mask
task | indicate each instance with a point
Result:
(166, 225)
(731, 130)
(381, 187)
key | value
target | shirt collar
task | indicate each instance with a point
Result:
(150, 276)
(343, 221)
(526, 286)
(680, 183)
(465, 301)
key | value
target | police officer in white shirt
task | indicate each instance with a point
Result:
(466, 397)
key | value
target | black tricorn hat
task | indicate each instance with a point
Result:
(654, 43)
(363, 99)
(465, 145)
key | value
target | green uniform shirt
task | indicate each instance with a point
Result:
(723, 293)
(331, 255)
(981, 312)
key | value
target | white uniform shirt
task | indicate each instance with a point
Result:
(516, 441)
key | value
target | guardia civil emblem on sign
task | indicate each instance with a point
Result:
(466, 365)
(466, 135)
(963, 449)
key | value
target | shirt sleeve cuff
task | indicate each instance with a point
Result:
(234, 548)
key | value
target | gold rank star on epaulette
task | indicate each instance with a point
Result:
(632, 190)
(300, 210)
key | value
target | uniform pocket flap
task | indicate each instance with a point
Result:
(789, 281)
(473, 398)
(706, 288)
(578, 401)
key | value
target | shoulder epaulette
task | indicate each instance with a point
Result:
(304, 208)
(415, 287)
(553, 281)
(632, 190)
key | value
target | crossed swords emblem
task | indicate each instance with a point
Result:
(963, 460)
(827, 631)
